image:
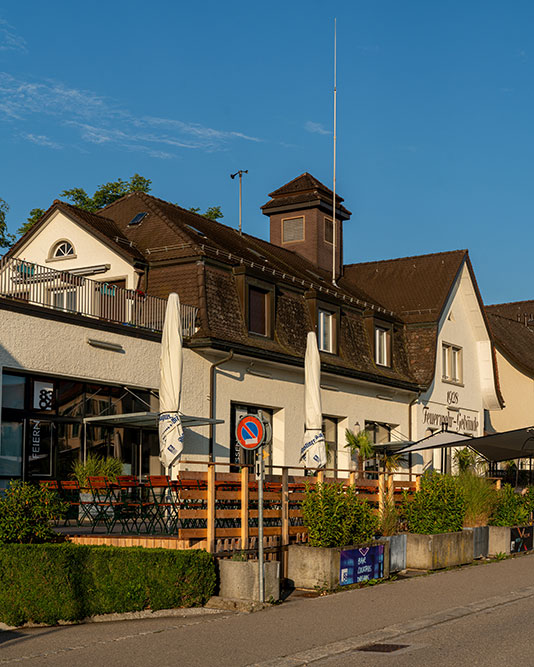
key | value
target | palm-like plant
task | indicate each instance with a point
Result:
(360, 445)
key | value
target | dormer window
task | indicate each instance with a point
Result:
(62, 250)
(326, 330)
(260, 308)
(382, 346)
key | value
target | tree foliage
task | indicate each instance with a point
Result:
(104, 195)
(212, 212)
(6, 239)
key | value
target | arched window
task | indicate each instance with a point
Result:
(62, 249)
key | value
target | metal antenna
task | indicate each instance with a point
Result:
(240, 173)
(334, 239)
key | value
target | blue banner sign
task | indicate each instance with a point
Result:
(361, 564)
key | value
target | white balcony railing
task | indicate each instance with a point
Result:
(67, 292)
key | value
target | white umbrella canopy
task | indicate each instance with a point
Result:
(313, 451)
(171, 434)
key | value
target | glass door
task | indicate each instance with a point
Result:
(11, 451)
(39, 448)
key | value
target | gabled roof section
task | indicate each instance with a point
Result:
(103, 228)
(514, 337)
(416, 288)
(305, 189)
(519, 311)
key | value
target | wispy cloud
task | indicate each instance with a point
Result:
(41, 140)
(100, 121)
(10, 40)
(316, 128)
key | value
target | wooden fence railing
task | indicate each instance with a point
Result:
(219, 510)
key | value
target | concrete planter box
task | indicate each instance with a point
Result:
(397, 552)
(239, 580)
(499, 540)
(319, 567)
(434, 552)
(480, 541)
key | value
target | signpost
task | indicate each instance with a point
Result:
(252, 433)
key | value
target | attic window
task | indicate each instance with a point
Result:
(63, 249)
(137, 219)
(292, 230)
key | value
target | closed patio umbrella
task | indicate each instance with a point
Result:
(171, 434)
(313, 451)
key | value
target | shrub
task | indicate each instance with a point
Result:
(337, 517)
(26, 513)
(438, 507)
(480, 497)
(511, 509)
(50, 582)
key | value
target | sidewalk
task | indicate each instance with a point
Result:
(285, 630)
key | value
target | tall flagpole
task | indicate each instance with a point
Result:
(334, 235)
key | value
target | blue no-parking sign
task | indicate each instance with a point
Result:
(250, 432)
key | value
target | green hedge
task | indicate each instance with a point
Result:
(45, 583)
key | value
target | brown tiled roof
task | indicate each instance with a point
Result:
(103, 228)
(520, 311)
(416, 288)
(515, 339)
(302, 190)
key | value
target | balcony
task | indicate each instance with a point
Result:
(70, 293)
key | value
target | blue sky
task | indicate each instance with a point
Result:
(435, 114)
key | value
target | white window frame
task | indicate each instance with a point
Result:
(382, 343)
(451, 363)
(325, 330)
(64, 299)
(65, 245)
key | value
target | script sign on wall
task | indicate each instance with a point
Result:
(361, 564)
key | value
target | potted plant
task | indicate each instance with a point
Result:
(480, 497)
(341, 549)
(94, 466)
(360, 447)
(509, 531)
(434, 517)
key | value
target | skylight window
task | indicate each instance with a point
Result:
(196, 230)
(137, 219)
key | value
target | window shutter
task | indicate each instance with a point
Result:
(293, 230)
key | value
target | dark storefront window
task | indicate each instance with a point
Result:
(43, 432)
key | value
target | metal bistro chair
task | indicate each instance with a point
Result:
(70, 492)
(129, 508)
(165, 508)
(101, 510)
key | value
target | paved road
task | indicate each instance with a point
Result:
(478, 615)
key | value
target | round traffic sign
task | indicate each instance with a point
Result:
(250, 432)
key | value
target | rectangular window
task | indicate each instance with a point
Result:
(379, 434)
(330, 436)
(13, 388)
(325, 330)
(329, 230)
(64, 300)
(258, 311)
(451, 363)
(382, 346)
(292, 230)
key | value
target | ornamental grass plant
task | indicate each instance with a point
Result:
(480, 496)
(336, 517)
(96, 466)
(438, 507)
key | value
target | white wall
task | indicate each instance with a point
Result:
(89, 250)
(463, 404)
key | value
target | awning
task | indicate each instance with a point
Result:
(437, 440)
(146, 420)
(518, 444)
